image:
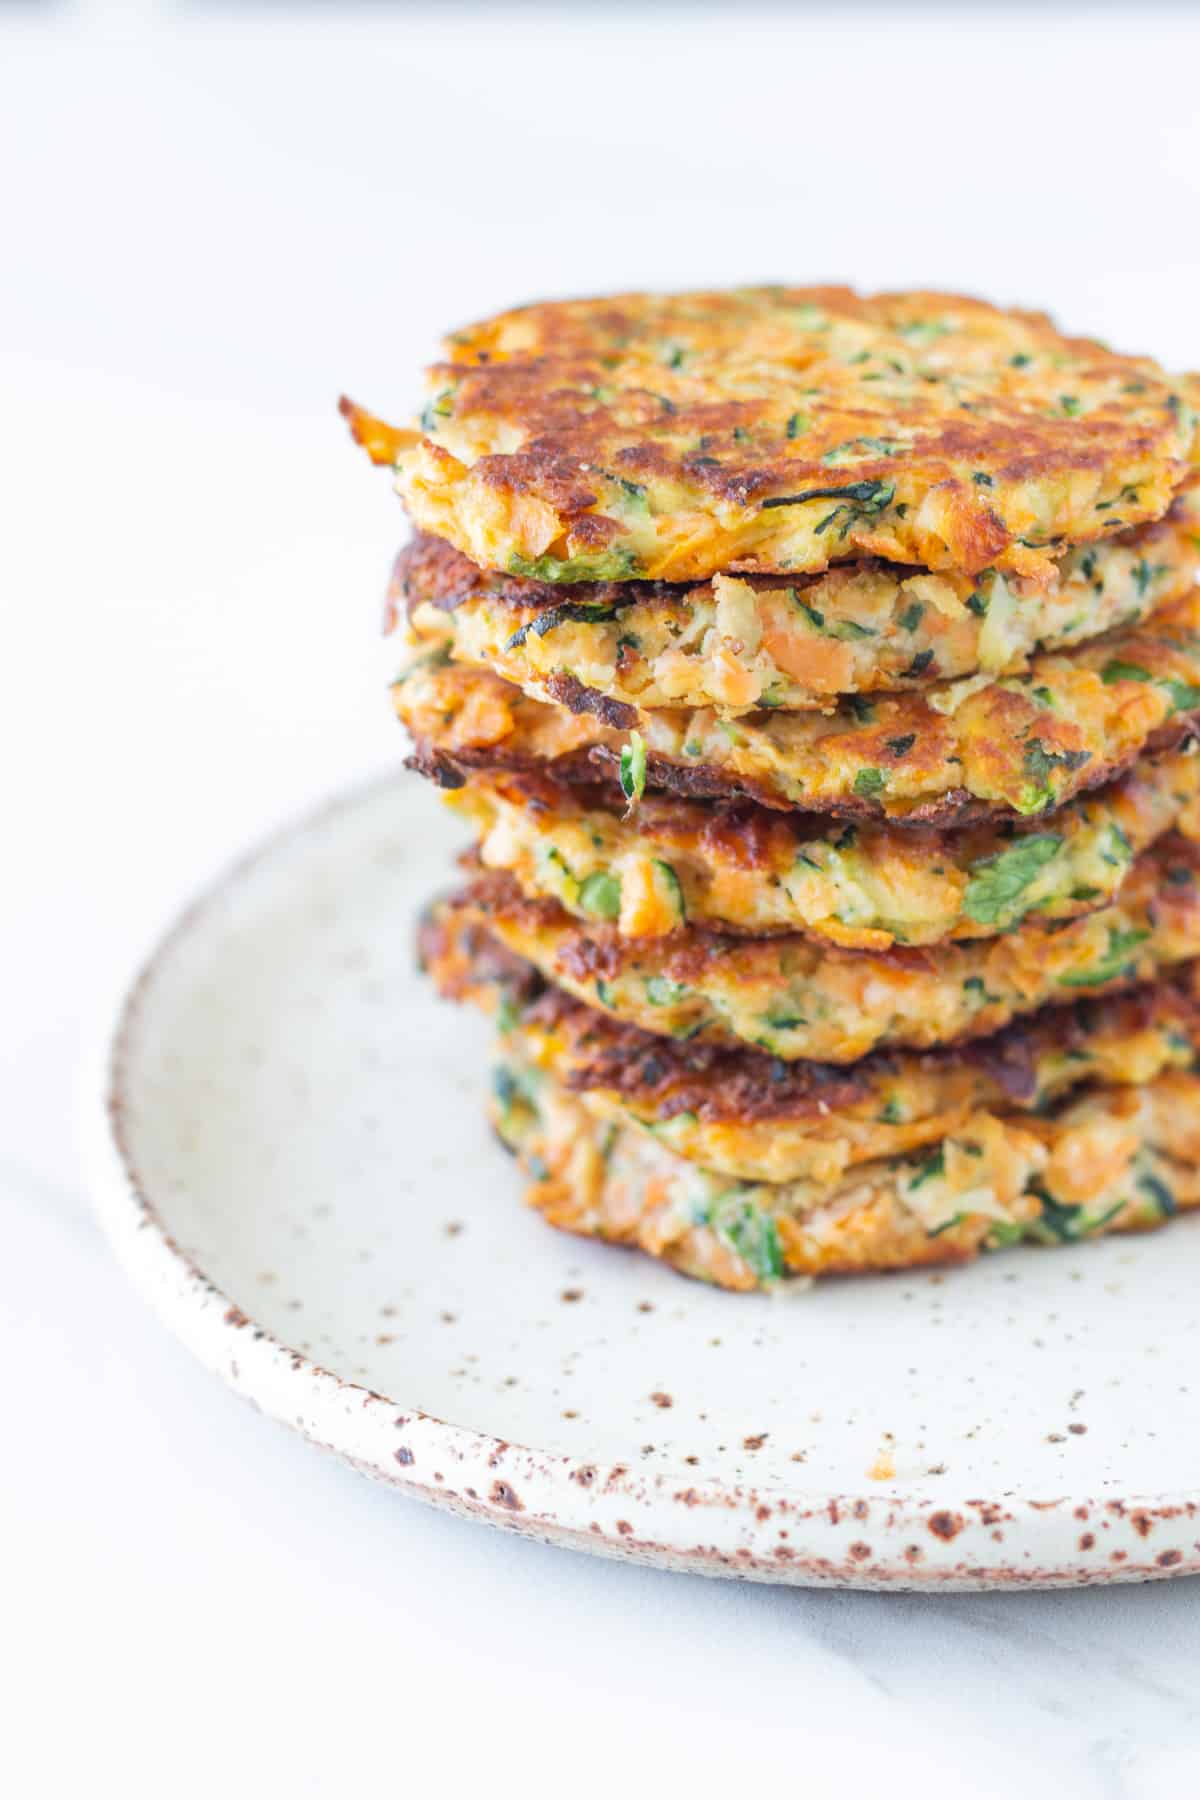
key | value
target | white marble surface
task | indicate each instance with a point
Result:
(211, 225)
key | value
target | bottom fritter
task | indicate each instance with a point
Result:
(1119, 1159)
(744, 1170)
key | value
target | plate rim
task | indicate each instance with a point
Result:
(665, 1519)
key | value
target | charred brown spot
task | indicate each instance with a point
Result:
(945, 1525)
(501, 1494)
(571, 693)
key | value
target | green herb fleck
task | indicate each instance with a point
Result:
(570, 613)
(672, 884)
(911, 617)
(600, 895)
(932, 1167)
(1115, 962)
(859, 500)
(998, 882)
(1160, 1193)
(1123, 671)
(660, 991)
(633, 768)
(749, 1232)
(611, 565)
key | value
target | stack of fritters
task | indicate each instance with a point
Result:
(819, 675)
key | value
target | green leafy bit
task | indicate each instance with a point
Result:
(1040, 765)
(869, 782)
(749, 1232)
(930, 1169)
(600, 895)
(1063, 1224)
(997, 882)
(1184, 697)
(977, 988)
(1146, 574)
(779, 1021)
(508, 1013)
(1160, 1193)
(900, 746)
(632, 492)
(892, 1113)
(610, 565)
(924, 331)
(848, 630)
(798, 424)
(661, 991)
(858, 500)
(439, 407)
(919, 664)
(978, 604)
(670, 881)
(863, 709)
(911, 617)
(633, 768)
(1115, 962)
(570, 613)
(1069, 406)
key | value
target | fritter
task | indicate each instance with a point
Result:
(681, 436)
(745, 868)
(739, 643)
(948, 753)
(795, 998)
(1118, 1159)
(745, 1114)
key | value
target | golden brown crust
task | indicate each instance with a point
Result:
(782, 428)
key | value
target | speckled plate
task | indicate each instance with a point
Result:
(296, 1170)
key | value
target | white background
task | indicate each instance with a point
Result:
(211, 223)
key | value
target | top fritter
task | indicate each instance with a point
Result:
(777, 429)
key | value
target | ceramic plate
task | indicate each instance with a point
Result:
(297, 1172)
